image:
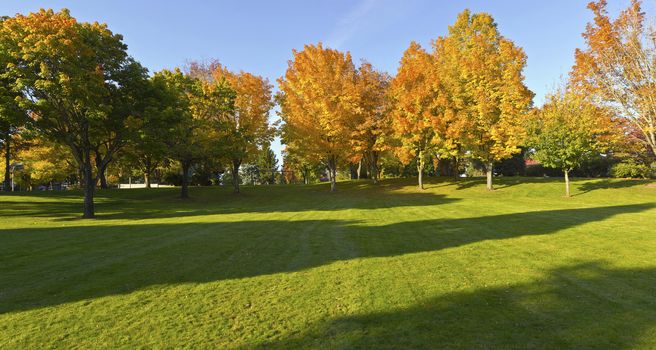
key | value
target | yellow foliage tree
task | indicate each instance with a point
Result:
(372, 122)
(44, 162)
(484, 84)
(318, 100)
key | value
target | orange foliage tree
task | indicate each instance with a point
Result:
(247, 129)
(617, 66)
(371, 124)
(413, 115)
(317, 103)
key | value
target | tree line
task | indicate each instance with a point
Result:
(73, 84)
(465, 100)
(80, 101)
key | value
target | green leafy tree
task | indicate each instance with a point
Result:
(250, 174)
(162, 112)
(268, 165)
(202, 107)
(67, 73)
(128, 101)
(568, 130)
(184, 146)
(12, 117)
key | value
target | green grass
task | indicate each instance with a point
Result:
(288, 267)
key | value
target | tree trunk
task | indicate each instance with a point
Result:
(567, 194)
(374, 168)
(455, 169)
(7, 181)
(86, 167)
(235, 175)
(333, 180)
(359, 169)
(184, 191)
(147, 171)
(89, 186)
(102, 178)
(101, 167)
(332, 170)
(80, 177)
(354, 171)
(488, 173)
(420, 170)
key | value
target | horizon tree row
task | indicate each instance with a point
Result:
(71, 85)
(74, 84)
(467, 100)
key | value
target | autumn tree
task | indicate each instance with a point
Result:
(451, 124)
(199, 112)
(245, 129)
(214, 108)
(618, 66)
(485, 87)
(413, 113)
(288, 168)
(44, 162)
(67, 72)
(317, 101)
(568, 130)
(294, 166)
(371, 124)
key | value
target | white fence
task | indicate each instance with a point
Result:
(124, 186)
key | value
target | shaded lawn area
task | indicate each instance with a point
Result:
(287, 267)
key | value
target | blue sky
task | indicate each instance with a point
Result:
(258, 36)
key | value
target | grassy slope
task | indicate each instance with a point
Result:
(368, 267)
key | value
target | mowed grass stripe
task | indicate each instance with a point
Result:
(285, 267)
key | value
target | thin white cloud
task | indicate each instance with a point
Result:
(348, 25)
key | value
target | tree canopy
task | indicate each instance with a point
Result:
(317, 99)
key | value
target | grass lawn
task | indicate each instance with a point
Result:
(287, 267)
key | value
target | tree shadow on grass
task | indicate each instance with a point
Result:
(584, 306)
(499, 182)
(210, 201)
(44, 267)
(465, 183)
(609, 184)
